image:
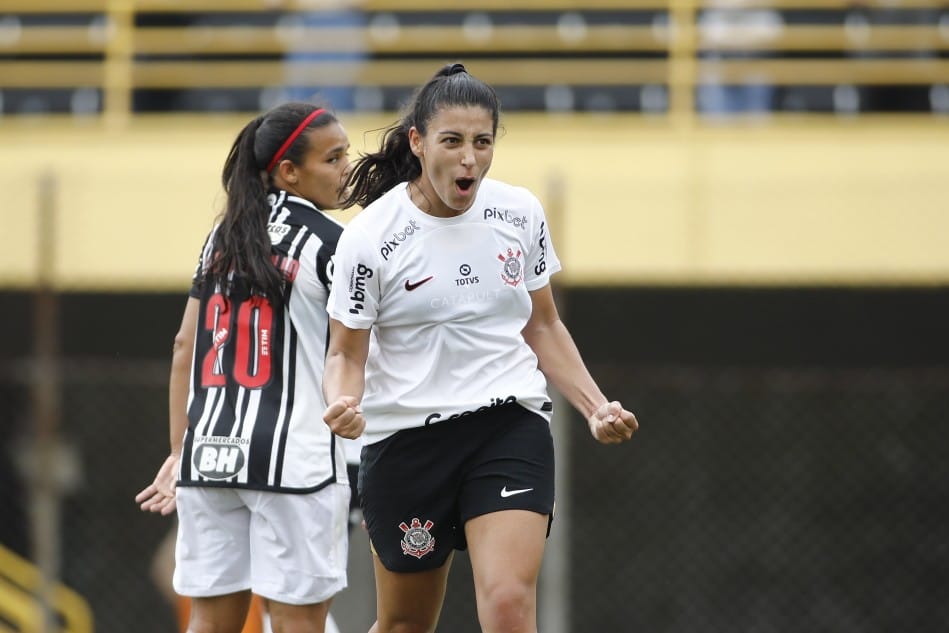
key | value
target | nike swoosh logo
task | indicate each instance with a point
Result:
(410, 286)
(510, 493)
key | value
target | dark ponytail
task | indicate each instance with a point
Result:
(376, 173)
(241, 244)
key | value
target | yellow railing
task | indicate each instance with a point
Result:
(114, 54)
(21, 607)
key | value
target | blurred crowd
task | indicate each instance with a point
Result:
(725, 33)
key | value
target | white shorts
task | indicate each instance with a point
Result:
(291, 548)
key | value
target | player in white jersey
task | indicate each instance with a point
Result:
(258, 480)
(448, 273)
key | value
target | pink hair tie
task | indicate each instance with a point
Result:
(287, 143)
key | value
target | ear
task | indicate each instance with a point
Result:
(286, 172)
(415, 142)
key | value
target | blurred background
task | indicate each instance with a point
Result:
(751, 201)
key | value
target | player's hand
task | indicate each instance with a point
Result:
(345, 418)
(612, 424)
(159, 496)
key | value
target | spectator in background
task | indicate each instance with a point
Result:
(258, 481)
(326, 47)
(448, 273)
(720, 31)
(858, 22)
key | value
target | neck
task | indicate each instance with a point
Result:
(421, 200)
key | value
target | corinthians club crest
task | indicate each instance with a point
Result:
(512, 272)
(418, 541)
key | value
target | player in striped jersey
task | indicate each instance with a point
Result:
(448, 273)
(258, 480)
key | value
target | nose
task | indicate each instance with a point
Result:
(467, 157)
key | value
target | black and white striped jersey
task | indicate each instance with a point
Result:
(255, 408)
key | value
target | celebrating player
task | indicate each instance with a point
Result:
(449, 271)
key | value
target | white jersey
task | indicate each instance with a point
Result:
(255, 408)
(446, 299)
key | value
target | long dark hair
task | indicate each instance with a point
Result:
(241, 243)
(374, 174)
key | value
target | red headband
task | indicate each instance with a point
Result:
(287, 143)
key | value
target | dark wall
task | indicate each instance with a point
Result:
(803, 327)
(789, 472)
(752, 326)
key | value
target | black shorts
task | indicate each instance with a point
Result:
(418, 487)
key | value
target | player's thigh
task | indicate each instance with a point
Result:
(212, 551)
(513, 469)
(411, 601)
(299, 544)
(506, 549)
(408, 484)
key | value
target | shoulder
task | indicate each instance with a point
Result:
(302, 213)
(376, 217)
(502, 193)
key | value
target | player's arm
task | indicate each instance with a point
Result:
(344, 379)
(159, 496)
(179, 381)
(560, 360)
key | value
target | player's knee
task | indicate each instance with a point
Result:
(508, 608)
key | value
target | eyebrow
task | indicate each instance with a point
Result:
(478, 135)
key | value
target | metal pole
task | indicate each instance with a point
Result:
(554, 587)
(119, 51)
(43, 465)
(683, 67)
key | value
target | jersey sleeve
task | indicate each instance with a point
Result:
(542, 261)
(355, 293)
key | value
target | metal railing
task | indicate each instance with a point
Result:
(21, 607)
(115, 48)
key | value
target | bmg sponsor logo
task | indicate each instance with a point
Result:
(219, 460)
(389, 246)
(541, 265)
(505, 215)
(357, 287)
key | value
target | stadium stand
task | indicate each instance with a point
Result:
(116, 57)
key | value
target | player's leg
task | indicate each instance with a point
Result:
(299, 551)
(409, 602)
(506, 549)
(506, 503)
(298, 618)
(408, 485)
(211, 558)
(219, 614)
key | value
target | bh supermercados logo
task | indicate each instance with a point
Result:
(418, 541)
(219, 458)
(511, 272)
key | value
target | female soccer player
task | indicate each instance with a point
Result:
(449, 272)
(262, 493)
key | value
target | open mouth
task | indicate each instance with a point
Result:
(464, 184)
